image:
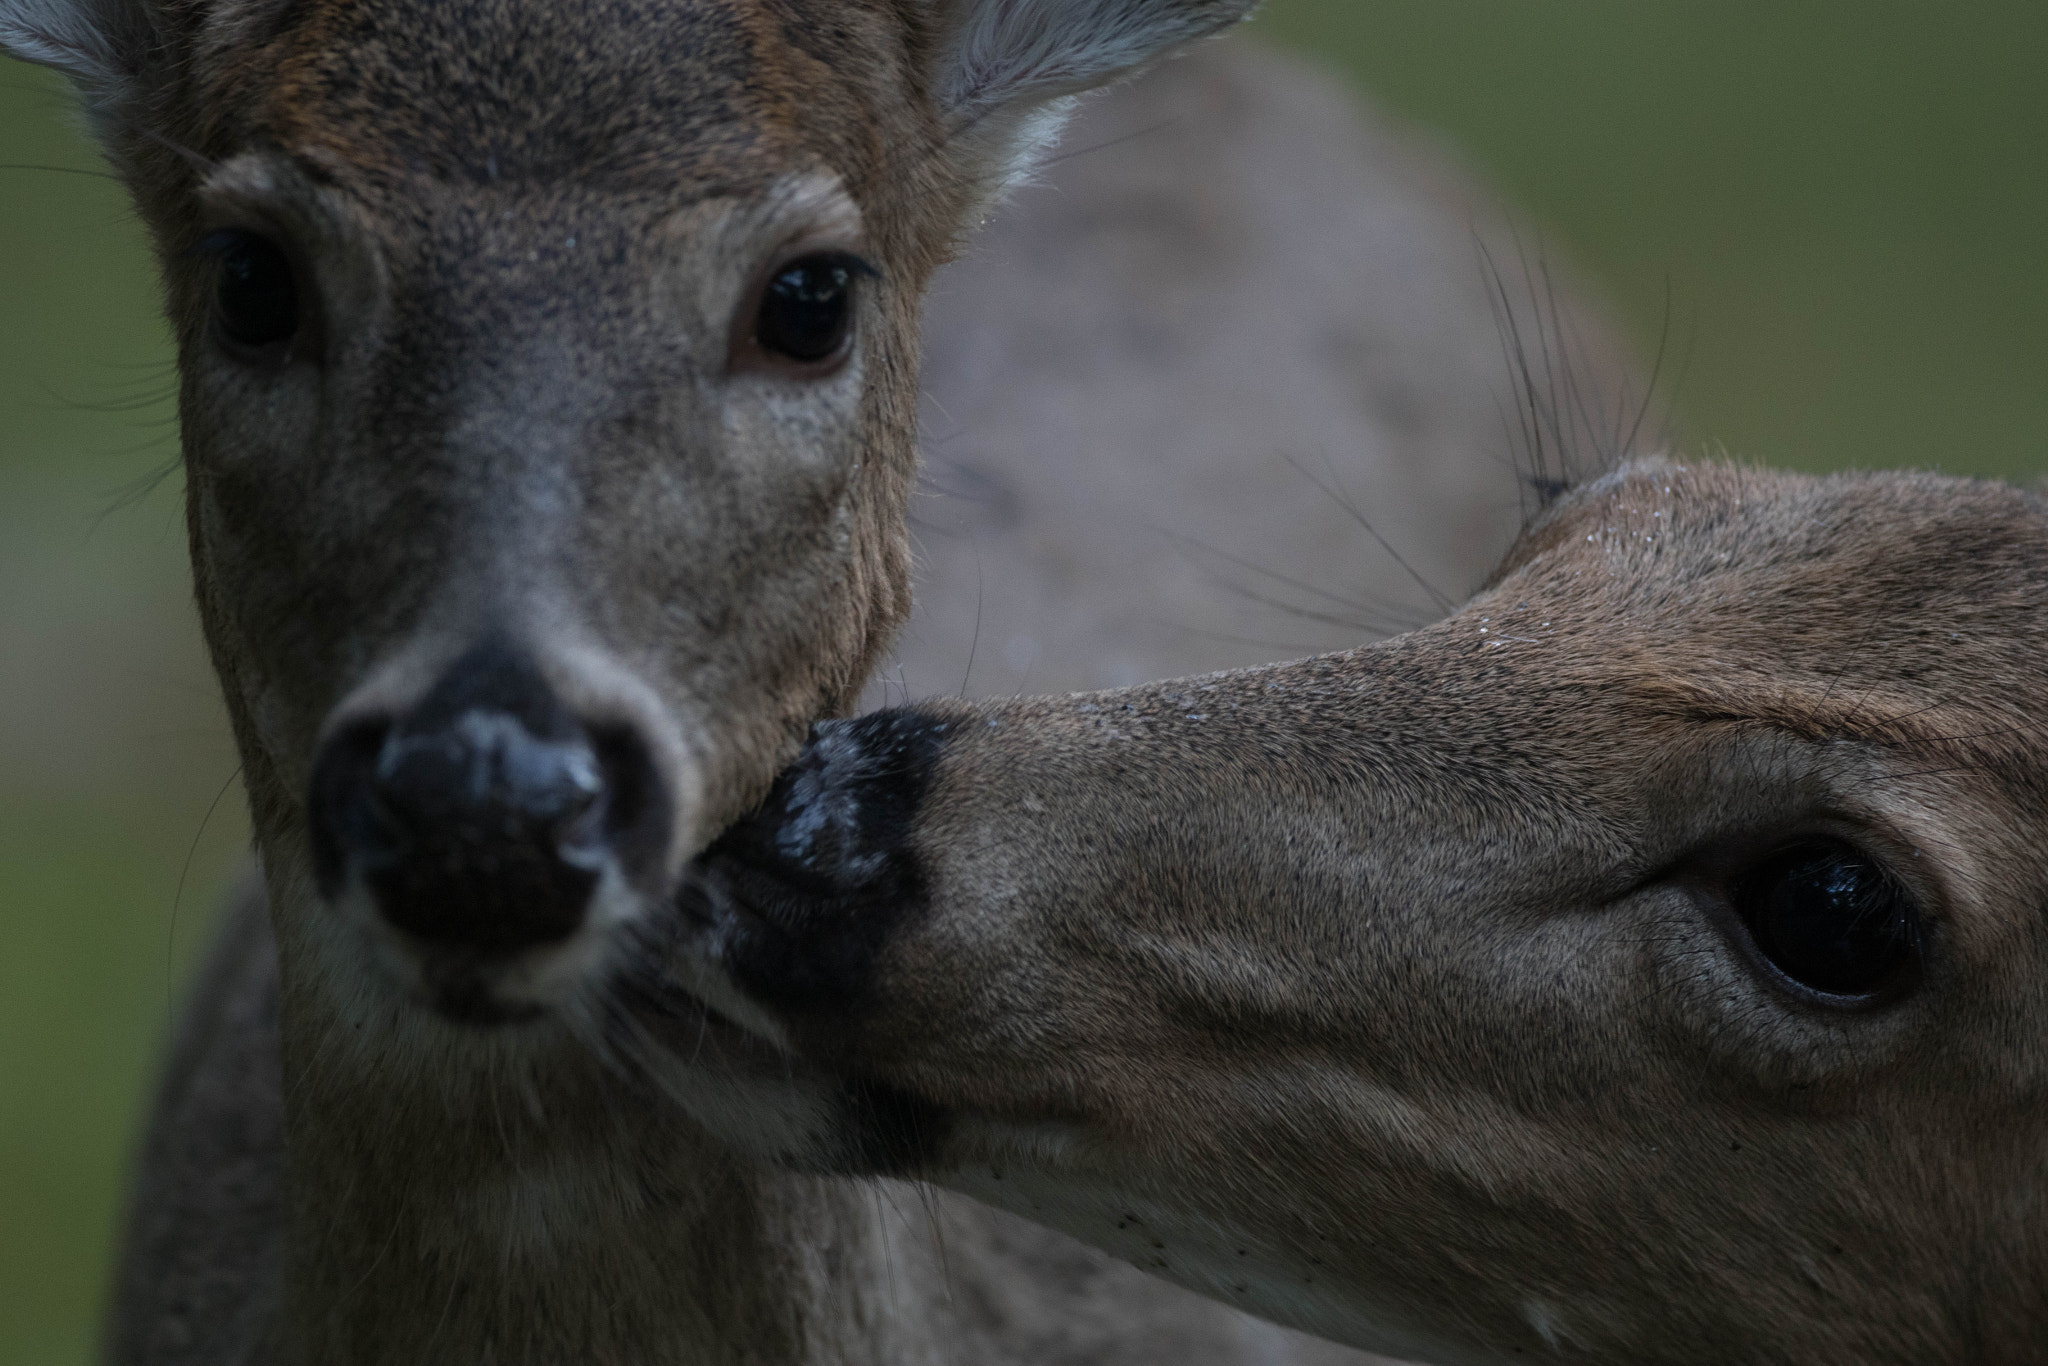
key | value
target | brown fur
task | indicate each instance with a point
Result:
(521, 230)
(1396, 994)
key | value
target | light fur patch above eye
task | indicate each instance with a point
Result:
(797, 317)
(720, 247)
(812, 204)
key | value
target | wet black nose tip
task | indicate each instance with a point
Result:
(483, 835)
(482, 821)
(486, 778)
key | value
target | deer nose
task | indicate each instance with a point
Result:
(483, 834)
(483, 820)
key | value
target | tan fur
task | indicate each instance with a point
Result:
(1397, 993)
(524, 229)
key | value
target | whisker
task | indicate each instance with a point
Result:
(59, 170)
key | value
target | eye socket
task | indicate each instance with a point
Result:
(806, 310)
(255, 298)
(1830, 918)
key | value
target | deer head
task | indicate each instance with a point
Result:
(548, 377)
(1645, 964)
(547, 395)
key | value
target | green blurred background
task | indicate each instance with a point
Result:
(1846, 204)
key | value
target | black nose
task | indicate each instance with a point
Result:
(482, 820)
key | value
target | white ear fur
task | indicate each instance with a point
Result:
(1009, 69)
(1003, 51)
(100, 44)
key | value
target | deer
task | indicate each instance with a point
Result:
(549, 404)
(1645, 963)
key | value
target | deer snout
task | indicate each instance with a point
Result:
(804, 894)
(481, 834)
(485, 821)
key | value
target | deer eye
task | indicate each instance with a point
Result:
(806, 312)
(255, 299)
(1830, 919)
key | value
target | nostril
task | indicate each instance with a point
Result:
(635, 818)
(347, 824)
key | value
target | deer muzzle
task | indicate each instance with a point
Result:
(798, 899)
(484, 822)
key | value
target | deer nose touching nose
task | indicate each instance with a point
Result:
(483, 820)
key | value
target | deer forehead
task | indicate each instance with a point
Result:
(1927, 584)
(672, 95)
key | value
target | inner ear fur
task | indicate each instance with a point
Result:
(1005, 73)
(102, 45)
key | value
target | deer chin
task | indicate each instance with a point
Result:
(471, 988)
(638, 990)
(605, 1001)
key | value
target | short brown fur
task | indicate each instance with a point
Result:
(1399, 994)
(520, 229)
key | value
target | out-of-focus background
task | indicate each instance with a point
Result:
(1838, 215)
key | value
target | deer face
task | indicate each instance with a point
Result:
(1644, 964)
(547, 441)
(548, 380)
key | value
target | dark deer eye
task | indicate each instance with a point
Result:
(1830, 919)
(255, 300)
(807, 309)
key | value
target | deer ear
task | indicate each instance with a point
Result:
(102, 45)
(1006, 71)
